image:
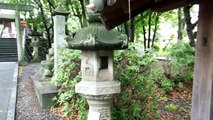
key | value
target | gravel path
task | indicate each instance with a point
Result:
(27, 107)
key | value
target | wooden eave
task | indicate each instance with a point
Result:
(118, 13)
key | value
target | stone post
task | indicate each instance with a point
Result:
(18, 37)
(59, 33)
(97, 44)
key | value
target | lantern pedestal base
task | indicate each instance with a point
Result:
(98, 88)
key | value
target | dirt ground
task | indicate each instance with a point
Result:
(180, 98)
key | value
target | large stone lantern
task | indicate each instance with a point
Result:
(97, 85)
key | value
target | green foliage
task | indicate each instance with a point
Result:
(171, 107)
(163, 99)
(180, 85)
(138, 76)
(147, 28)
(181, 62)
(167, 84)
(66, 78)
(42, 48)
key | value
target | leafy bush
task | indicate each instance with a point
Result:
(43, 49)
(167, 84)
(181, 62)
(171, 107)
(138, 76)
(75, 107)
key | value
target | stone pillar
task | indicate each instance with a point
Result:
(59, 33)
(18, 37)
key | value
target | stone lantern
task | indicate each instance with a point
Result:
(97, 85)
(35, 44)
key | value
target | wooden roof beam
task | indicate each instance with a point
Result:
(165, 5)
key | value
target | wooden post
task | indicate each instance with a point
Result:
(18, 37)
(202, 98)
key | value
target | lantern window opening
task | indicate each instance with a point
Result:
(103, 62)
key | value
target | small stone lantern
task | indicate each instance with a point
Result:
(97, 85)
(35, 44)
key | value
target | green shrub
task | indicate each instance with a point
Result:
(171, 107)
(75, 107)
(181, 62)
(138, 76)
(167, 84)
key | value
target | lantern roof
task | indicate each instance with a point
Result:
(96, 37)
(59, 10)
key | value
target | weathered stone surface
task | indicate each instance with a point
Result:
(59, 38)
(41, 81)
(98, 88)
(96, 37)
(18, 37)
(97, 65)
(99, 110)
(51, 51)
(19, 7)
(44, 91)
(35, 44)
(47, 69)
(60, 10)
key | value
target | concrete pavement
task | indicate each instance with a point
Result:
(8, 89)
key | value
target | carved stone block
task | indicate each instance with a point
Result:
(97, 65)
(98, 88)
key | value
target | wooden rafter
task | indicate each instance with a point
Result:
(113, 16)
(165, 5)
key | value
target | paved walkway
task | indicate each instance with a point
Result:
(8, 88)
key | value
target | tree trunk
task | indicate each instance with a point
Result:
(189, 25)
(143, 31)
(126, 29)
(202, 98)
(51, 7)
(149, 29)
(44, 22)
(84, 19)
(181, 24)
(132, 30)
(155, 28)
